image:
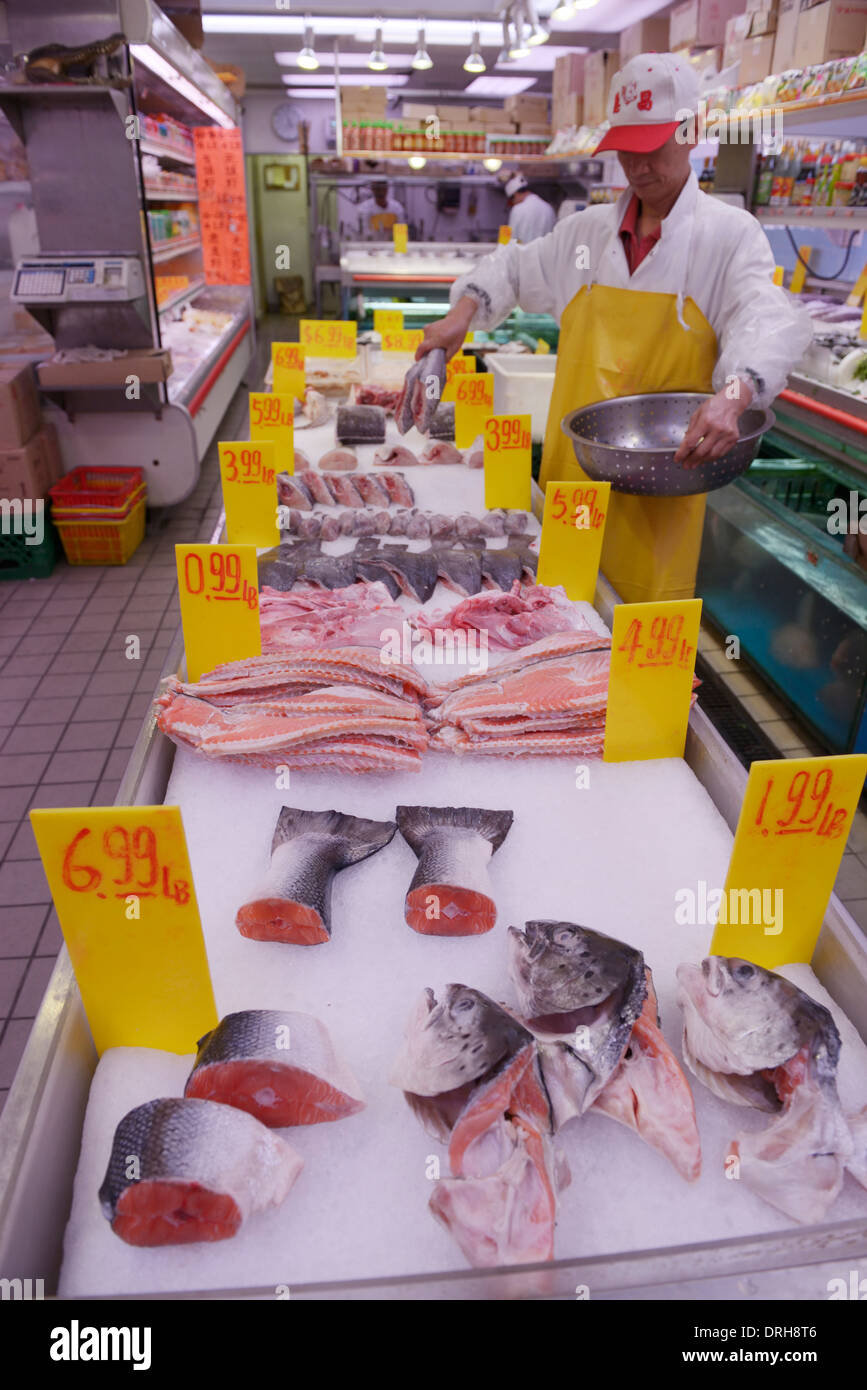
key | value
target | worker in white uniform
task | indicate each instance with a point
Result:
(380, 212)
(668, 289)
(529, 215)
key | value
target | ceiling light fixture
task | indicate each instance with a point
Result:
(492, 165)
(519, 48)
(474, 61)
(538, 34)
(564, 10)
(422, 59)
(377, 62)
(504, 55)
(307, 58)
(416, 161)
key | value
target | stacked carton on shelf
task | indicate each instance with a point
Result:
(567, 107)
(786, 33)
(599, 68)
(834, 29)
(647, 36)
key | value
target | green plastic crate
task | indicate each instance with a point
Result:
(18, 560)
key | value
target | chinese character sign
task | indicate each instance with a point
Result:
(222, 205)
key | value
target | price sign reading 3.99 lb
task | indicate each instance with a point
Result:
(508, 458)
(248, 472)
(122, 885)
(288, 369)
(272, 417)
(219, 595)
(573, 525)
(474, 402)
(653, 647)
(328, 337)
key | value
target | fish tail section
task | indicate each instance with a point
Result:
(416, 822)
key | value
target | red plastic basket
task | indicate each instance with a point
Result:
(97, 487)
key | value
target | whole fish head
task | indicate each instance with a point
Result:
(455, 1041)
(559, 967)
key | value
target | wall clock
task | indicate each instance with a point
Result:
(286, 121)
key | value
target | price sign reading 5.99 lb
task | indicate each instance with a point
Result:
(288, 368)
(249, 473)
(474, 402)
(508, 456)
(573, 525)
(272, 416)
(653, 647)
(219, 593)
(791, 835)
(121, 881)
(328, 337)
(458, 366)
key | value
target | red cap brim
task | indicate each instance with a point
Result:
(637, 139)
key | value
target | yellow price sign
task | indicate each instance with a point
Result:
(249, 476)
(858, 291)
(474, 402)
(863, 330)
(458, 366)
(402, 340)
(508, 460)
(799, 274)
(573, 525)
(790, 838)
(328, 337)
(272, 417)
(400, 232)
(542, 347)
(122, 885)
(288, 368)
(778, 275)
(653, 647)
(387, 321)
(218, 587)
(504, 235)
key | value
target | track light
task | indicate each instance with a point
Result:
(377, 62)
(504, 56)
(474, 60)
(519, 48)
(492, 165)
(307, 58)
(584, 4)
(422, 59)
(564, 10)
(537, 33)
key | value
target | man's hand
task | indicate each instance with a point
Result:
(713, 429)
(449, 332)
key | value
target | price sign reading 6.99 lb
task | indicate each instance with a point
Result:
(508, 479)
(474, 402)
(328, 337)
(219, 594)
(248, 473)
(653, 647)
(287, 369)
(121, 881)
(573, 525)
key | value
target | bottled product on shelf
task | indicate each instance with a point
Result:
(810, 173)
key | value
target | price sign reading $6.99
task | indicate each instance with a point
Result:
(474, 402)
(791, 834)
(653, 648)
(328, 337)
(288, 367)
(219, 595)
(248, 473)
(508, 458)
(121, 881)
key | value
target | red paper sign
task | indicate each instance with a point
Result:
(222, 205)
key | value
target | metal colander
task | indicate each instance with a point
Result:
(630, 442)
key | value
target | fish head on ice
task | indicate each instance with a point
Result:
(455, 1041)
(560, 967)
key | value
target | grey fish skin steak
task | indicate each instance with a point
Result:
(422, 389)
(360, 424)
(450, 893)
(293, 903)
(200, 1170)
(279, 1067)
(755, 1039)
(580, 992)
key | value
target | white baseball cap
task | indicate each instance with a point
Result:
(649, 98)
(516, 184)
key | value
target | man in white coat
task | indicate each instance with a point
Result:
(667, 289)
(529, 215)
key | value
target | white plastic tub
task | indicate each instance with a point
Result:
(523, 383)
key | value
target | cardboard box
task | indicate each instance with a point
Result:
(525, 107)
(647, 36)
(368, 99)
(835, 29)
(784, 41)
(599, 68)
(737, 30)
(149, 365)
(701, 23)
(567, 111)
(501, 127)
(538, 128)
(568, 75)
(31, 469)
(756, 6)
(763, 22)
(20, 412)
(756, 60)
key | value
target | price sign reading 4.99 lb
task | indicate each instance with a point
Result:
(791, 835)
(219, 593)
(653, 647)
(249, 473)
(328, 337)
(121, 882)
(508, 459)
(573, 524)
(272, 416)
(288, 367)
(474, 402)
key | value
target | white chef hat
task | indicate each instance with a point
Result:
(515, 184)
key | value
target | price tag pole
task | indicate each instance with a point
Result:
(218, 589)
(653, 647)
(573, 526)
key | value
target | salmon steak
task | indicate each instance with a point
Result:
(293, 902)
(450, 893)
(183, 1171)
(280, 1067)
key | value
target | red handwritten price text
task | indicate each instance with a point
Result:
(471, 390)
(402, 340)
(577, 507)
(132, 852)
(824, 819)
(506, 434)
(246, 468)
(460, 365)
(267, 411)
(326, 335)
(225, 572)
(665, 647)
(290, 355)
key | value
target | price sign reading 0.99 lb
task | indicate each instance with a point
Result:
(508, 459)
(791, 835)
(328, 337)
(121, 882)
(653, 648)
(249, 473)
(573, 525)
(406, 340)
(272, 417)
(219, 593)
(387, 321)
(474, 402)
(288, 368)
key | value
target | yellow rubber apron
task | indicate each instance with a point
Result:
(623, 342)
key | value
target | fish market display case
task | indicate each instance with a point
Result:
(41, 1127)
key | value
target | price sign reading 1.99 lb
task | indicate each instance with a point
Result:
(474, 402)
(653, 647)
(249, 474)
(328, 337)
(573, 525)
(791, 835)
(508, 459)
(272, 416)
(219, 592)
(122, 885)
(405, 340)
(288, 368)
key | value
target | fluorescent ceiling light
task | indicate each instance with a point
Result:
(377, 62)
(422, 59)
(161, 67)
(451, 33)
(312, 93)
(288, 58)
(307, 58)
(474, 62)
(498, 86)
(356, 79)
(541, 58)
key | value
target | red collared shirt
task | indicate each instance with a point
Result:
(635, 246)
